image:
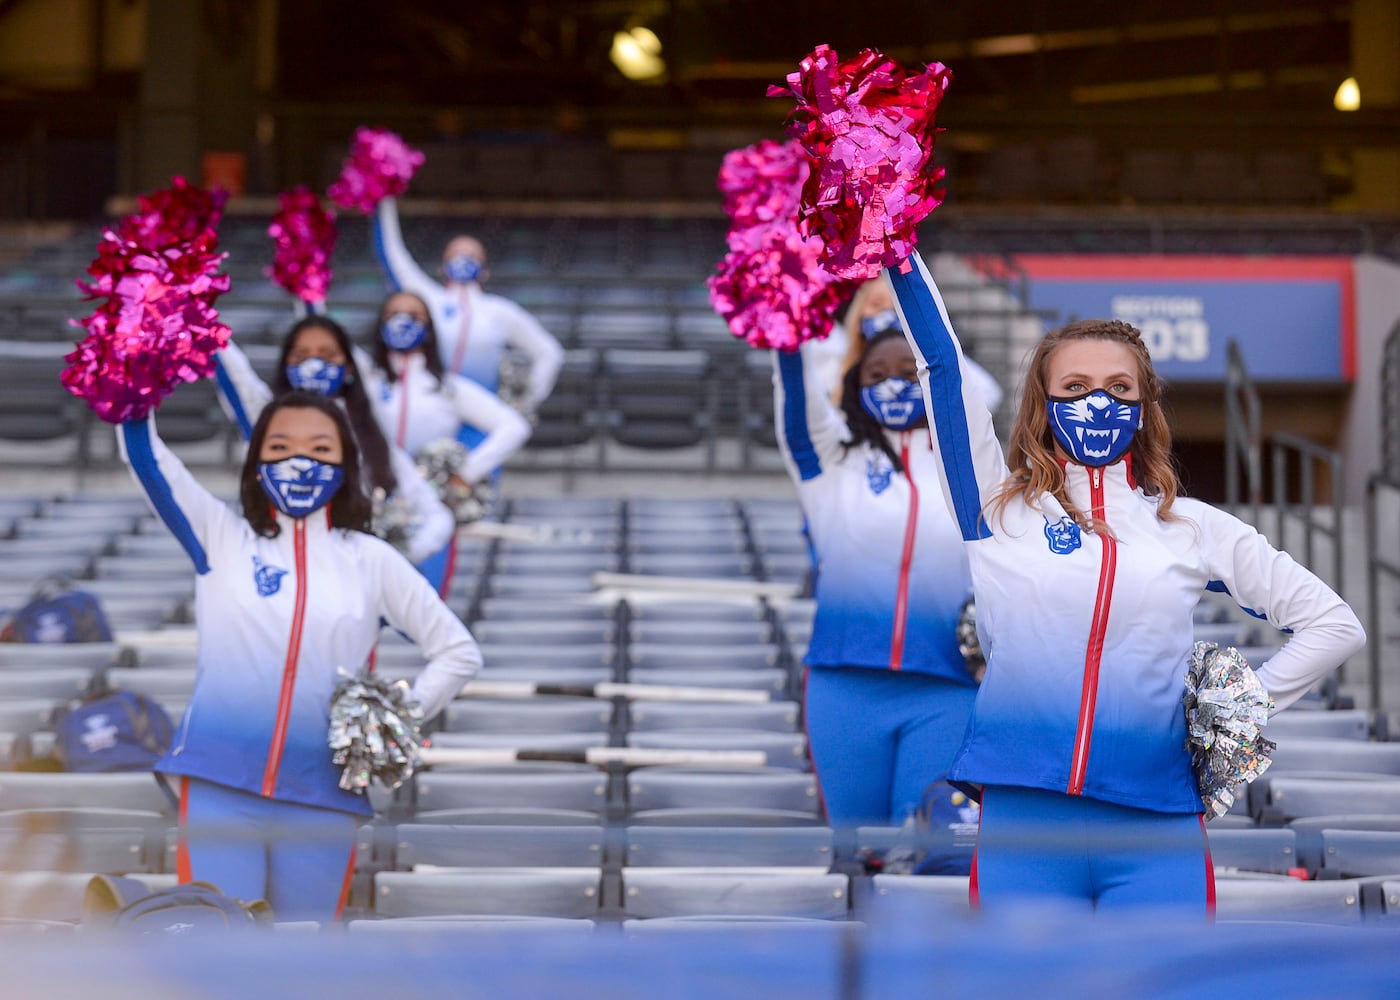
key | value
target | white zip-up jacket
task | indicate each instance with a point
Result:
(279, 619)
(893, 573)
(1087, 635)
(474, 327)
(244, 395)
(416, 409)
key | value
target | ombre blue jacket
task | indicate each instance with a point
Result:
(1087, 634)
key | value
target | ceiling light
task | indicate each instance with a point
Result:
(637, 54)
(1348, 96)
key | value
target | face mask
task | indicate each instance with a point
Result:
(402, 332)
(1094, 428)
(461, 269)
(886, 319)
(317, 375)
(896, 403)
(299, 486)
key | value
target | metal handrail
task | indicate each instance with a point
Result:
(1242, 434)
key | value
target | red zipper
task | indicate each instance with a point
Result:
(1093, 655)
(906, 558)
(403, 406)
(289, 668)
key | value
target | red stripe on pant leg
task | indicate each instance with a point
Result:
(345, 886)
(1210, 873)
(974, 895)
(445, 588)
(182, 845)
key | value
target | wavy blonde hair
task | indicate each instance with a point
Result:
(1031, 456)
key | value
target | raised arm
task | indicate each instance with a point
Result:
(506, 430)
(1324, 630)
(242, 392)
(193, 514)
(811, 432)
(409, 603)
(435, 521)
(971, 464)
(398, 263)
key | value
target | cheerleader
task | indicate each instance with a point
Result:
(289, 593)
(475, 329)
(419, 404)
(1087, 565)
(317, 356)
(887, 693)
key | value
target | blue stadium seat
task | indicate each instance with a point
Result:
(481, 846)
(661, 893)
(729, 847)
(762, 788)
(538, 892)
(1287, 900)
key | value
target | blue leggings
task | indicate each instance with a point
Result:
(1043, 846)
(298, 858)
(880, 738)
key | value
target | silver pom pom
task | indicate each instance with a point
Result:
(374, 732)
(969, 645)
(440, 463)
(1226, 709)
(513, 382)
(393, 519)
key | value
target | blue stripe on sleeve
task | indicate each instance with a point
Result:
(795, 430)
(377, 231)
(136, 435)
(946, 410)
(235, 403)
(1218, 587)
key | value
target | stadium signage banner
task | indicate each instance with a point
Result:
(1293, 317)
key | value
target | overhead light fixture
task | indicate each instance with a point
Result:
(1348, 96)
(636, 53)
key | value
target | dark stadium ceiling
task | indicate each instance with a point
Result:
(1152, 65)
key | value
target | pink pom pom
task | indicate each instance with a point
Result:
(304, 233)
(380, 164)
(869, 126)
(770, 287)
(158, 327)
(762, 183)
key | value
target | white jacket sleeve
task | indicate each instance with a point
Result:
(527, 335)
(192, 514)
(409, 603)
(1324, 630)
(435, 521)
(506, 430)
(971, 464)
(811, 431)
(242, 392)
(398, 263)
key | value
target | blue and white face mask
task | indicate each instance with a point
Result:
(885, 319)
(403, 331)
(1094, 428)
(317, 375)
(896, 403)
(299, 485)
(462, 269)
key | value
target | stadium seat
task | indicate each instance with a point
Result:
(651, 788)
(115, 841)
(60, 683)
(662, 893)
(1257, 850)
(650, 716)
(50, 790)
(508, 816)
(652, 632)
(1278, 800)
(553, 786)
(1289, 725)
(537, 892)
(1280, 898)
(67, 655)
(1309, 829)
(729, 847)
(904, 897)
(520, 740)
(460, 925)
(482, 846)
(1292, 755)
(1349, 853)
(782, 749)
(682, 656)
(55, 895)
(774, 680)
(541, 715)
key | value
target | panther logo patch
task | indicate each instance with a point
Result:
(1063, 535)
(267, 578)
